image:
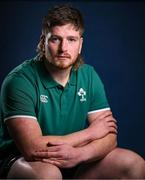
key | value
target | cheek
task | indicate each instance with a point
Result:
(76, 51)
(74, 55)
(51, 50)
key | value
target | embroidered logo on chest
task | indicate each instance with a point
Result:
(82, 94)
(44, 98)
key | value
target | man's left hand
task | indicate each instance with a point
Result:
(59, 154)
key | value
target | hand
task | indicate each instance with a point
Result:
(59, 154)
(103, 125)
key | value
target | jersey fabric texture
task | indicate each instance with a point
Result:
(30, 91)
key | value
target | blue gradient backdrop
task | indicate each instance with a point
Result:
(114, 43)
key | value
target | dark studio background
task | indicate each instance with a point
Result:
(114, 43)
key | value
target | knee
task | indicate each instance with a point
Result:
(133, 165)
(22, 169)
(46, 171)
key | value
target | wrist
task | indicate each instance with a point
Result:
(89, 133)
(82, 155)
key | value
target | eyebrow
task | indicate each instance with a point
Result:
(60, 37)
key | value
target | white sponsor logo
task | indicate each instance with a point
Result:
(44, 98)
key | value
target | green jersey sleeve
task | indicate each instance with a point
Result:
(18, 97)
(98, 99)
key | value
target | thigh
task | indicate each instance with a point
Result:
(22, 169)
(119, 163)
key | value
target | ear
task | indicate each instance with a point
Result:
(81, 44)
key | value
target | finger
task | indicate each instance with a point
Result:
(53, 161)
(54, 143)
(47, 155)
(54, 148)
(57, 148)
(49, 149)
(102, 115)
(110, 118)
(111, 121)
(112, 125)
(113, 130)
(105, 114)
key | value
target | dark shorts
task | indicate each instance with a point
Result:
(7, 163)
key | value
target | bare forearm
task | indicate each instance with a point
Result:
(64, 155)
(98, 148)
(40, 142)
(79, 138)
(43, 143)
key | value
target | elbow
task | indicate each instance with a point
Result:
(114, 141)
(29, 148)
(28, 151)
(115, 144)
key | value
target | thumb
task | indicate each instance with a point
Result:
(54, 143)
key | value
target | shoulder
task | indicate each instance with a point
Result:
(88, 72)
(86, 67)
(20, 77)
(27, 67)
(25, 70)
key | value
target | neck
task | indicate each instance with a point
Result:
(59, 75)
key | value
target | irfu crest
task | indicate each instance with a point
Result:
(82, 94)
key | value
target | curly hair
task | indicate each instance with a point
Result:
(58, 16)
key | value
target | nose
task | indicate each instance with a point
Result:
(63, 46)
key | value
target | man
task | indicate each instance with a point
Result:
(56, 121)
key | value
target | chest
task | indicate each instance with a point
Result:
(62, 110)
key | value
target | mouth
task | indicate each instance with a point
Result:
(63, 57)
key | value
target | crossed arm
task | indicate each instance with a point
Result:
(89, 144)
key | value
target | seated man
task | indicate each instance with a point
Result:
(55, 119)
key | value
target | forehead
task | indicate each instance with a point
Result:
(65, 30)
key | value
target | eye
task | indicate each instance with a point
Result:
(54, 39)
(72, 39)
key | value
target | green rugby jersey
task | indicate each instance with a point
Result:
(29, 91)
